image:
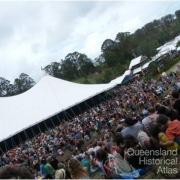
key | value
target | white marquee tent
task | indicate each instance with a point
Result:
(120, 79)
(47, 98)
(51, 96)
(135, 61)
(169, 46)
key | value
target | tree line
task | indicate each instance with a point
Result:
(114, 58)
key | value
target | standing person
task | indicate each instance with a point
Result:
(76, 170)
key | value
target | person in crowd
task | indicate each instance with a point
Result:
(42, 168)
(61, 171)
(176, 105)
(149, 120)
(49, 170)
(54, 162)
(131, 145)
(15, 172)
(132, 127)
(60, 174)
(144, 139)
(172, 128)
(105, 132)
(85, 161)
(77, 171)
(119, 143)
(161, 109)
(158, 134)
(100, 160)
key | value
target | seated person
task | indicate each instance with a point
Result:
(157, 133)
(77, 171)
(131, 144)
(15, 172)
(132, 128)
(172, 128)
(149, 120)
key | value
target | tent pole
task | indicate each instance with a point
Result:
(46, 125)
(73, 112)
(103, 97)
(58, 118)
(5, 145)
(106, 95)
(80, 110)
(66, 116)
(2, 152)
(13, 145)
(93, 102)
(27, 137)
(87, 105)
(52, 122)
(99, 99)
(109, 93)
(39, 129)
(32, 132)
(19, 137)
(70, 117)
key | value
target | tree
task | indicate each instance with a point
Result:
(53, 69)
(75, 65)
(23, 83)
(167, 20)
(177, 13)
(108, 44)
(78, 64)
(120, 37)
(4, 86)
(117, 54)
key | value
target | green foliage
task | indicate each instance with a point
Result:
(152, 70)
(177, 13)
(21, 84)
(113, 60)
(117, 54)
(178, 44)
(156, 68)
(74, 66)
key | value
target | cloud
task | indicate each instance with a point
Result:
(33, 34)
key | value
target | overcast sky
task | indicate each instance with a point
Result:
(33, 34)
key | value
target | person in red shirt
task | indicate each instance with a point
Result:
(172, 128)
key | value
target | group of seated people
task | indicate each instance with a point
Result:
(102, 138)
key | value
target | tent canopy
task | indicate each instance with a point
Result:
(169, 46)
(120, 79)
(47, 98)
(135, 62)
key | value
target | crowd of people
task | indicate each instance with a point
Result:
(139, 115)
